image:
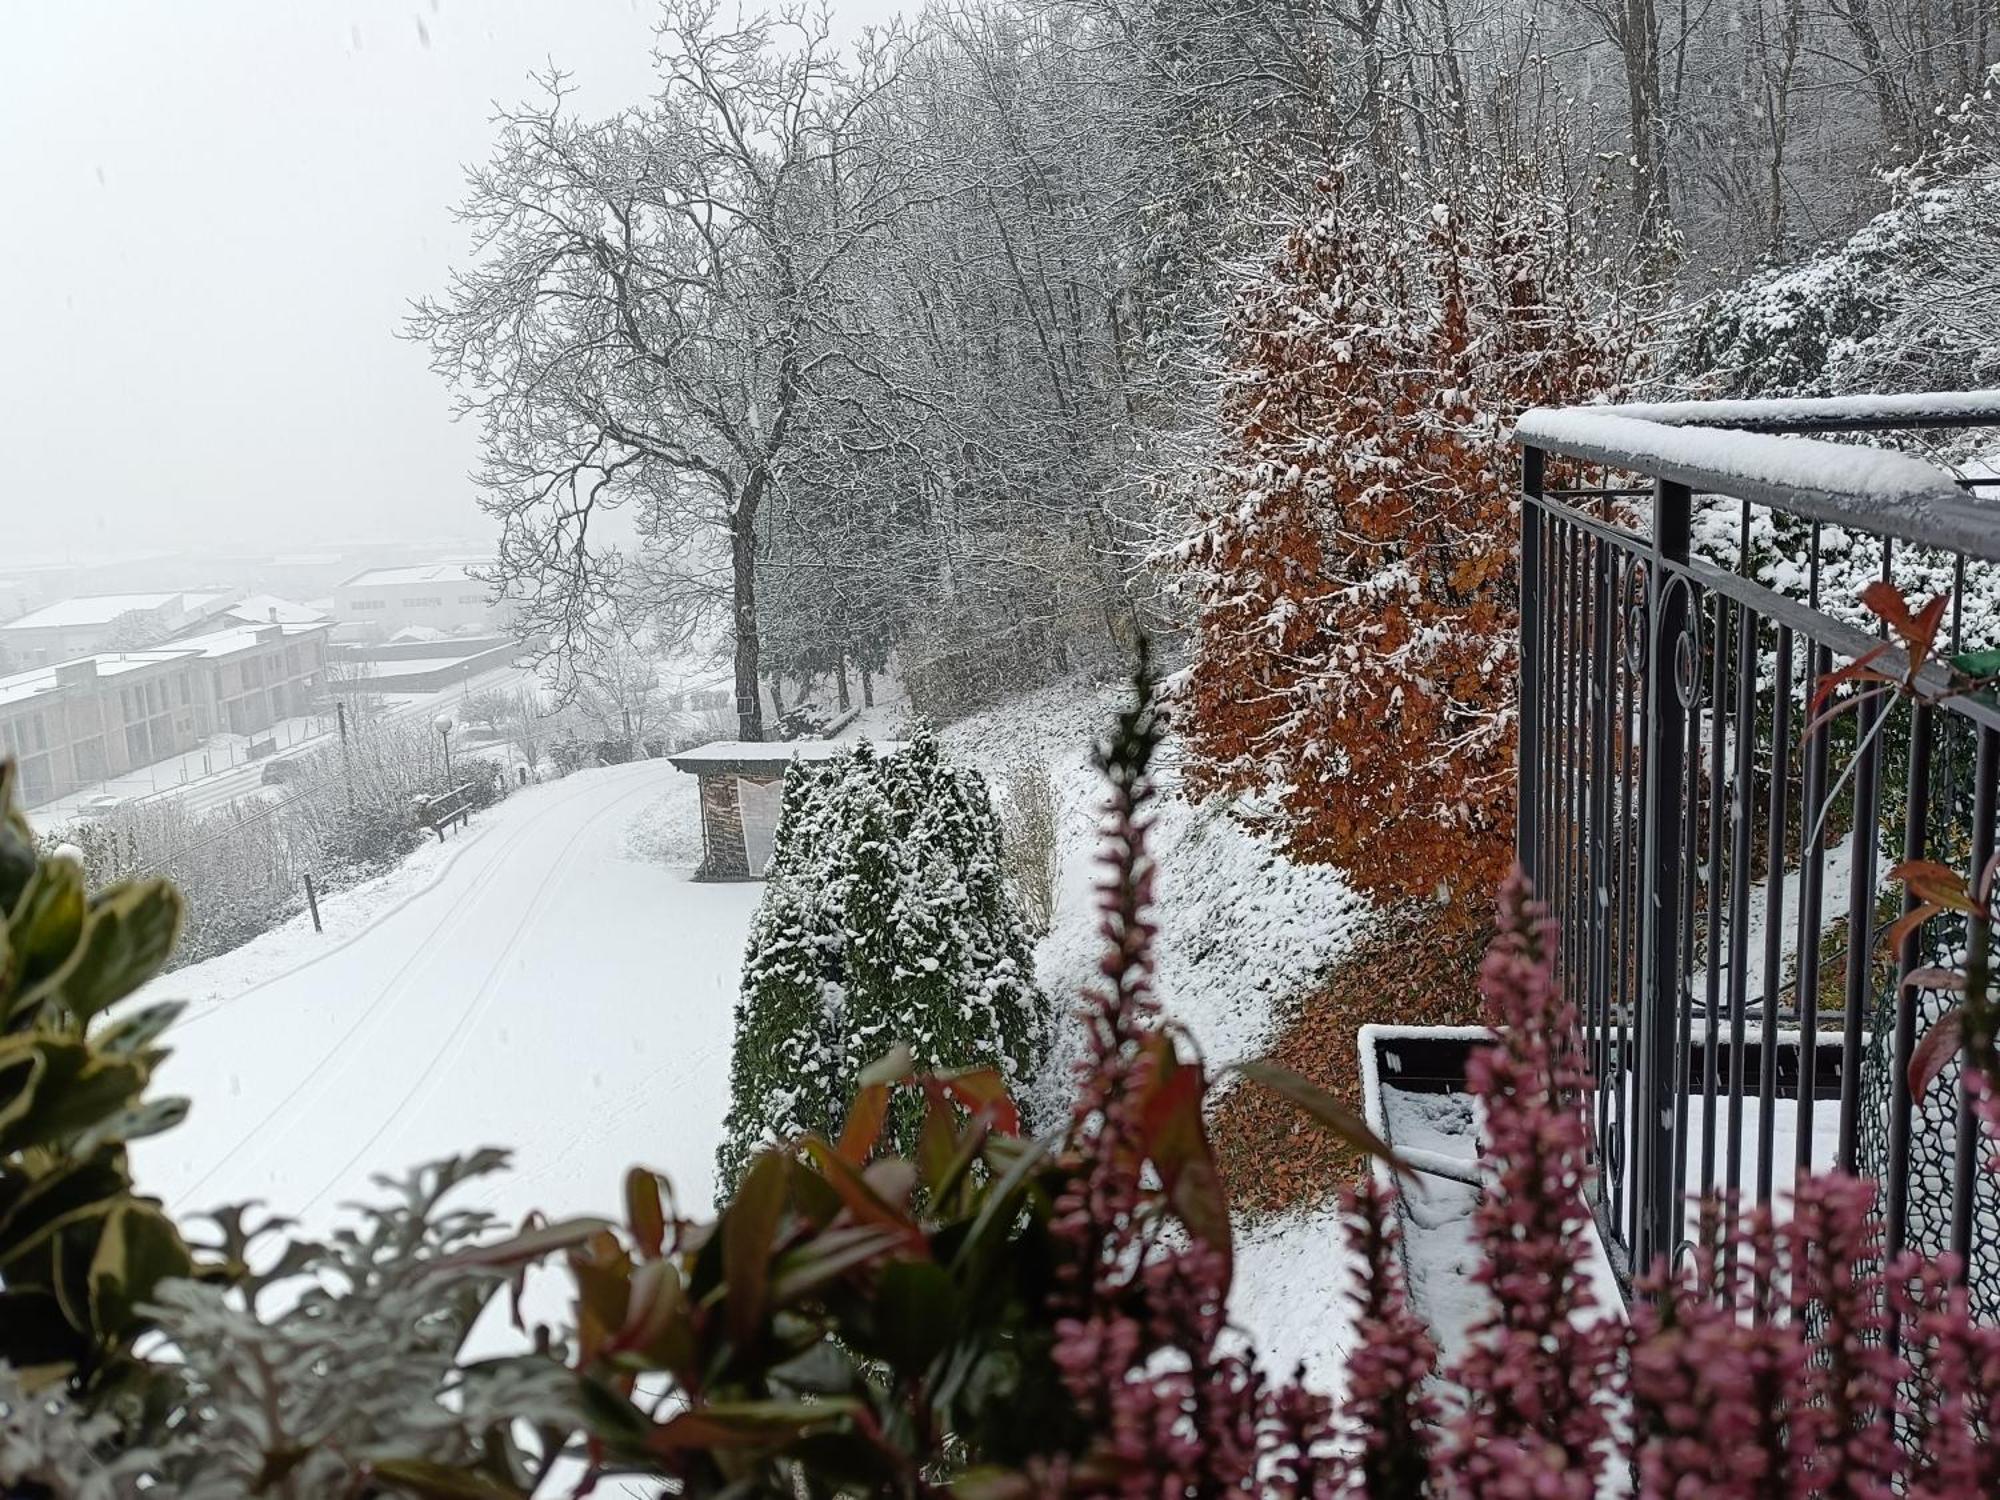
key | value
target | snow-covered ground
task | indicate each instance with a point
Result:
(552, 981)
(528, 985)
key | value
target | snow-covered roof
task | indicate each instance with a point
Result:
(117, 663)
(90, 609)
(269, 609)
(18, 687)
(725, 756)
(219, 643)
(450, 572)
(1870, 489)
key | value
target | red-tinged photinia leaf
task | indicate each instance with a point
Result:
(645, 1215)
(1922, 639)
(864, 1123)
(1177, 1144)
(860, 1199)
(653, 1300)
(1328, 1111)
(603, 1294)
(1934, 979)
(1885, 601)
(1900, 929)
(937, 1138)
(1939, 1045)
(1939, 885)
(748, 1424)
(1861, 669)
(984, 1089)
(749, 1237)
(827, 1257)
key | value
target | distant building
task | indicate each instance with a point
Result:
(251, 676)
(93, 623)
(82, 721)
(269, 609)
(78, 722)
(436, 596)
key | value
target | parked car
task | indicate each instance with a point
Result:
(103, 804)
(280, 772)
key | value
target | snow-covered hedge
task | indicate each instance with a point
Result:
(1907, 303)
(886, 919)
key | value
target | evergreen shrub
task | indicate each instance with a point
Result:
(886, 920)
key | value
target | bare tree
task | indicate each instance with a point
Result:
(652, 300)
(618, 687)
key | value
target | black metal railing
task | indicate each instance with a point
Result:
(1717, 862)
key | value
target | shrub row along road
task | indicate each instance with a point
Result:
(537, 989)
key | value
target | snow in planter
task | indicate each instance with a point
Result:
(885, 921)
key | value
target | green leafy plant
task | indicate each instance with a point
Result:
(81, 1253)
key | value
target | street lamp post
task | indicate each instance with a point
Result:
(444, 733)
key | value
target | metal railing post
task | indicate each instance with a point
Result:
(1659, 1208)
(1528, 739)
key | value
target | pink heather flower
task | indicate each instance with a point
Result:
(1843, 1422)
(1388, 1419)
(1712, 1375)
(1959, 1406)
(1539, 1383)
(1141, 1313)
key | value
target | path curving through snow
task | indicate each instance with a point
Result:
(531, 985)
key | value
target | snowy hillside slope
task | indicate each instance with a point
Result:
(1242, 931)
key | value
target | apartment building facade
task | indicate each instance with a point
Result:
(77, 723)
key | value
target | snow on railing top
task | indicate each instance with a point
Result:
(1871, 489)
(1826, 413)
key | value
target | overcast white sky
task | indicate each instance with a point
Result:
(212, 215)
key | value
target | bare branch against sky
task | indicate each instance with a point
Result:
(212, 216)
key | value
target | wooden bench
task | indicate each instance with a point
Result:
(440, 812)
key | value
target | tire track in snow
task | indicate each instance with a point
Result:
(474, 840)
(482, 997)
(454, 918)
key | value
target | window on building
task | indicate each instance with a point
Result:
(423, 601)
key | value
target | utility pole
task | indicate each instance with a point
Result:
(346, 756)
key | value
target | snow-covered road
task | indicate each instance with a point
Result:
(529, 985)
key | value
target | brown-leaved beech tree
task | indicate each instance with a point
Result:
(1353, 568)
